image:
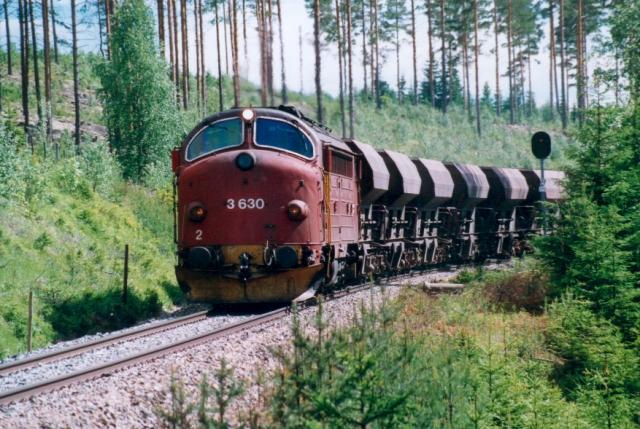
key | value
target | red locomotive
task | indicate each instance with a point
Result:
(270, 204)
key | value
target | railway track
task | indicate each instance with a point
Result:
(23, 392)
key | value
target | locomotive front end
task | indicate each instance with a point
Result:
(249, 208)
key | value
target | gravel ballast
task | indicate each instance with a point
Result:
(128, 398)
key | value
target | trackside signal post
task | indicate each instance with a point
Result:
(541, 148)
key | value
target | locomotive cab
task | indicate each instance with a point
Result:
(249, 207)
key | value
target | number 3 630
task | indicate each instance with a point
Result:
(245, 203)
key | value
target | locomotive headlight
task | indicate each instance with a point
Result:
(247, 115)
(245, 161)
(297, 210)
(197, 212)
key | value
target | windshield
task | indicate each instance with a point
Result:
(219, 135)
(281, 135)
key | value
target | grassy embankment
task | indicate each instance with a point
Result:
(64, 224)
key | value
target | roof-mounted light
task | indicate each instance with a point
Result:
(248, 115)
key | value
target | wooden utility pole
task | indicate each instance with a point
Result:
(76, 86)
(318, 67)
(30, 321)
(125, 276)
(283, 77)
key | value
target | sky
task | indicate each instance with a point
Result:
(296, 21)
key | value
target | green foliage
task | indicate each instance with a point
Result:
(598, 370)
(209, 410)
(137, 95)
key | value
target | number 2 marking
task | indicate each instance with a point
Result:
(199, 234)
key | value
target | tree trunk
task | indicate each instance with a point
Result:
(226, 41)
(36, 68)
(176, 50)
(235, 52)
(376, 43)
(262, 35)
(76, 87)
(300, 61)
(47, 68)
(107, 19)
(415, 55)
(269, 24)
(203, 75)
(466, 91)
(350, 67)
(55, 33)
(397, 28)
(8, 32)
(529, 80)
(24, 66)
(432, 86)
(283, 77)
(318, 66)
(196, 36)
(172, 57)
(185, 54)
(244, 38)
(510, 66)
(552, 42)
(580, 87)
(475, 60)
(364, 48)
(496, 32)
(220, 96)
(562, 68)
(160, 4)
(444, 59)
(340, 74)
(372, 56)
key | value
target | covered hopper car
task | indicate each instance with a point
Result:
(271, 205)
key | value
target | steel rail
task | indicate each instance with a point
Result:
(27, 391)
(142, 331)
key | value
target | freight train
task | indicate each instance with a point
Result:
(270, 205)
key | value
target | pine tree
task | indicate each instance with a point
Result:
(47, 68)
(283, 77)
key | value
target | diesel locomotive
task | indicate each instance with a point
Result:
(270, 206)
